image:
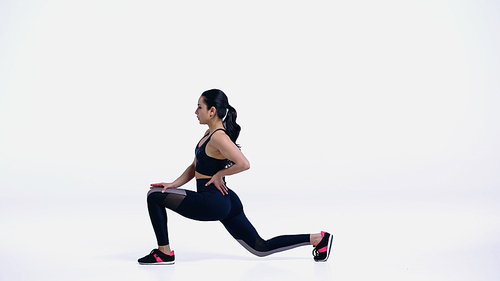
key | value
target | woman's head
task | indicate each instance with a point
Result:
(215, 102)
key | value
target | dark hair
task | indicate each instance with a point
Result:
(218, 99)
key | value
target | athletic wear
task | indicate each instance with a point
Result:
(208, 204)
(321, 251)
(158, 257)
(205, 164)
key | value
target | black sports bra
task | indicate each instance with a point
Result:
(205, 164)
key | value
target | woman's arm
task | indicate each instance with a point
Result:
(229, 150)
(180, 181)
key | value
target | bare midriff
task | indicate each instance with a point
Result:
(201, 176)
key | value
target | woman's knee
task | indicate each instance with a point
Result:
(153, 191)
(154, 197)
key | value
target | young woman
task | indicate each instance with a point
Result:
(217, 156)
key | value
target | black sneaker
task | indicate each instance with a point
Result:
(158, 257)
(321, 250)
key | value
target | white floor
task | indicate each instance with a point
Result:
(383, 236)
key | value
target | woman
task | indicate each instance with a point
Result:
(217, 156)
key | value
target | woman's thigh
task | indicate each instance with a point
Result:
(206, 205)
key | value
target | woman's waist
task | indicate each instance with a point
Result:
(201, 183)
(206, 180)
(200, 176)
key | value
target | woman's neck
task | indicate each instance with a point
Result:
(212, 126)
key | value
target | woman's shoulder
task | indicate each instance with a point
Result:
(219, 135)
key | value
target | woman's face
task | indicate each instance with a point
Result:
(202, 112)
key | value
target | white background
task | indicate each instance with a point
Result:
(375, 120)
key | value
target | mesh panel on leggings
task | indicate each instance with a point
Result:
(172, 201)
(173, 196)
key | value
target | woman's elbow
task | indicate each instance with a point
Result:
(246, 165)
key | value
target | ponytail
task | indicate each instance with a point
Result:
(229, 122)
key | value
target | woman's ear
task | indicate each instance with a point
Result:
(212, 111)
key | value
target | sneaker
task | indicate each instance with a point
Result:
(158, 257)
(321, 250)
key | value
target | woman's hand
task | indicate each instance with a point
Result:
(219, 183)
(162, 184)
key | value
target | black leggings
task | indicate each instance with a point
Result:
(208, 204)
